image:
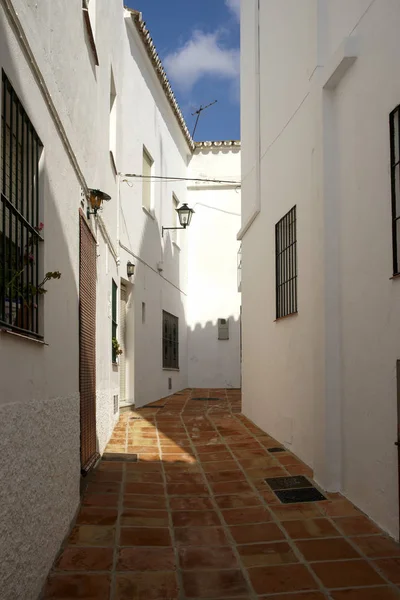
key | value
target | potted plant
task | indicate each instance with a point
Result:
(117, 350)
(24, 295)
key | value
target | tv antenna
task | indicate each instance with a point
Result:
(198, 113)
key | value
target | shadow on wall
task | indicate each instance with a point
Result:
(214, 362)
(150, 293)
(39, 386)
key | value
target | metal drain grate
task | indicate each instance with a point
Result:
(310, 494)
(288, 483)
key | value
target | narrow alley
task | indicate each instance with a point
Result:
(194, 517)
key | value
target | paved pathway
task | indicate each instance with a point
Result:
(194, 519)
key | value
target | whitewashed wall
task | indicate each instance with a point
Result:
(323, 382)
(213, 289)
(160, 286)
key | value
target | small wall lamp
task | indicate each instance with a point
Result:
(130, 269)
(96, 198)
(185, 216)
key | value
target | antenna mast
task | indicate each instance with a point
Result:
(198, 113)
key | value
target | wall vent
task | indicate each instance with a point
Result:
(115, 404)
(170, 383)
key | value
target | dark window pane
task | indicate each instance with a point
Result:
(19, 219)
(286, 265)
(170, 341)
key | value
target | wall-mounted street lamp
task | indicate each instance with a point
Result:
(96, 198)
(130, 269)
(185, 216)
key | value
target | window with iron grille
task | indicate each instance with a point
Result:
(170, 341)
(20, 227)
(286, 265)
(395, 172)
(114, 322)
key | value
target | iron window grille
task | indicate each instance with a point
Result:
(114, 322)
(286, 264)
(19, 216)
(170, 341)
(395, 175)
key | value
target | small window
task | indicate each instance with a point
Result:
(20, 226)
(170, 341)
(114, 322)
(395, 174)
(143, 313)
(286, 265)
(146, 181)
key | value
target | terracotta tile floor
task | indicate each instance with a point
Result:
(194, 519)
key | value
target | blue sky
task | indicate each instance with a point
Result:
(198, 42)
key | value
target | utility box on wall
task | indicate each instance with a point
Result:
(223, 329)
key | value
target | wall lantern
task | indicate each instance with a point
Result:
(130, 269)
(96, 198)
(185, 216)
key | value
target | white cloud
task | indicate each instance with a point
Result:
(234, 6)
(203, 55)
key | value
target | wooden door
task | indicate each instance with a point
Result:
(87, 346)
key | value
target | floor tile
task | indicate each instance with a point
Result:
(92, 535)
(356, 525)
(238, 500)
(207, 558)
(375, 593)
(225, 476)
(106, 500)
(186, 489)
(83, 586)
(143, 501)
(235, 487)
(390, 567)
(227, 470)
(342, 574)
(267, 554)
(145, 536)
(377, 546)
(300, 596)
(283, 578)
(237, 516)
(296, 511)
(89, 515)
(211, 584)
(147, 586)
(146, 559)
(133, 476)
(326, 549)
(200, 536)
(310, 528)
(262, 532)
(340, 508)
(196, 518)
(190, 503)
(85, 559)
(144, 517)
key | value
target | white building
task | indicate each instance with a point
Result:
(318, 89)
(95, 111)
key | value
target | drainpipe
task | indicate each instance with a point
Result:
(257, 115)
